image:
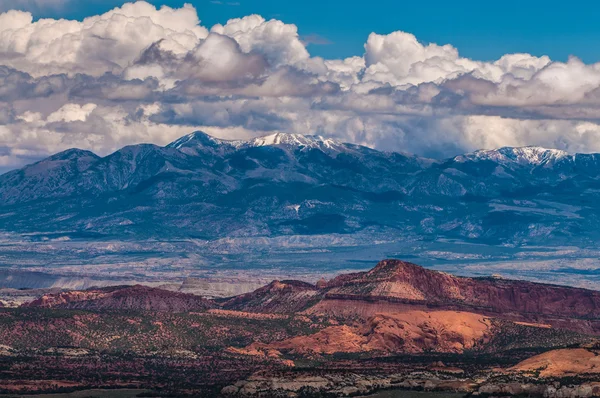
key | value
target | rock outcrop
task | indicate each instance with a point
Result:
(136, 298)
(409, 332)
(400, 281)
(395, 286)
(299, 339)
(561, 363)
(276, 297)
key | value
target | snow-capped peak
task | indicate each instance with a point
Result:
(296, 140)
(276, 139)
(194, 138)
(191, 142)
(529, 155)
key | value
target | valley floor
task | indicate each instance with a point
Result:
(234, 266)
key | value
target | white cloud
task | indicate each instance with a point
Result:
(72, 113)
(490, 132)
(219, 58)
(98, 44)
(144, 74)
(278, 41)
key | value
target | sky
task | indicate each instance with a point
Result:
(481, 30)
(433, 78)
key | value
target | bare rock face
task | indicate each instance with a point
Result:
(561, 363)
(137, 298)
(420, 331)
(399, 280)
(276, 297)
(402, 281)
(409, 332)
(395, 286)
(402, 307)
(328, 341)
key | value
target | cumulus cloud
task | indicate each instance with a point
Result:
(72, 113)
(139, 73)
(98, 44)
(279, 42)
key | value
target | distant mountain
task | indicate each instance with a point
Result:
(289, 184)
(123, 298)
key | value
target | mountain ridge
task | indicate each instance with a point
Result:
(285, 184)
(312, 141)
(392, 286)
(400, 283)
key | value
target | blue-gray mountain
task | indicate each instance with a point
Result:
(284, 184)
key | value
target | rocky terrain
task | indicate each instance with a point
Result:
(200, 187)
(131, 298)
(397, 286)
(397, 326)
(407, 332)
(560, 363)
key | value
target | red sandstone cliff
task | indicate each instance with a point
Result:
(391, 287)
(276, 297)
(401, 281)
(396, 286)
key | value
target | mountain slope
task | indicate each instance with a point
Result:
(397, 307)
(124, 298)
(57, 173)
(289, 184)
(402, 281)
(393, 286)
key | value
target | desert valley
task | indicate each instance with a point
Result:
(396, 327)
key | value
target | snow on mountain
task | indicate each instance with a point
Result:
(290, 184)
(199, 143)
(195, 139)
(529, 155)
(200, 139)
(295, 140)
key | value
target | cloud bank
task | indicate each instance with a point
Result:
(142, 74)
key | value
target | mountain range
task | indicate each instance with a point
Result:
(288, 185)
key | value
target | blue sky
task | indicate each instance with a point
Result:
(480, 30)
(143, 74)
